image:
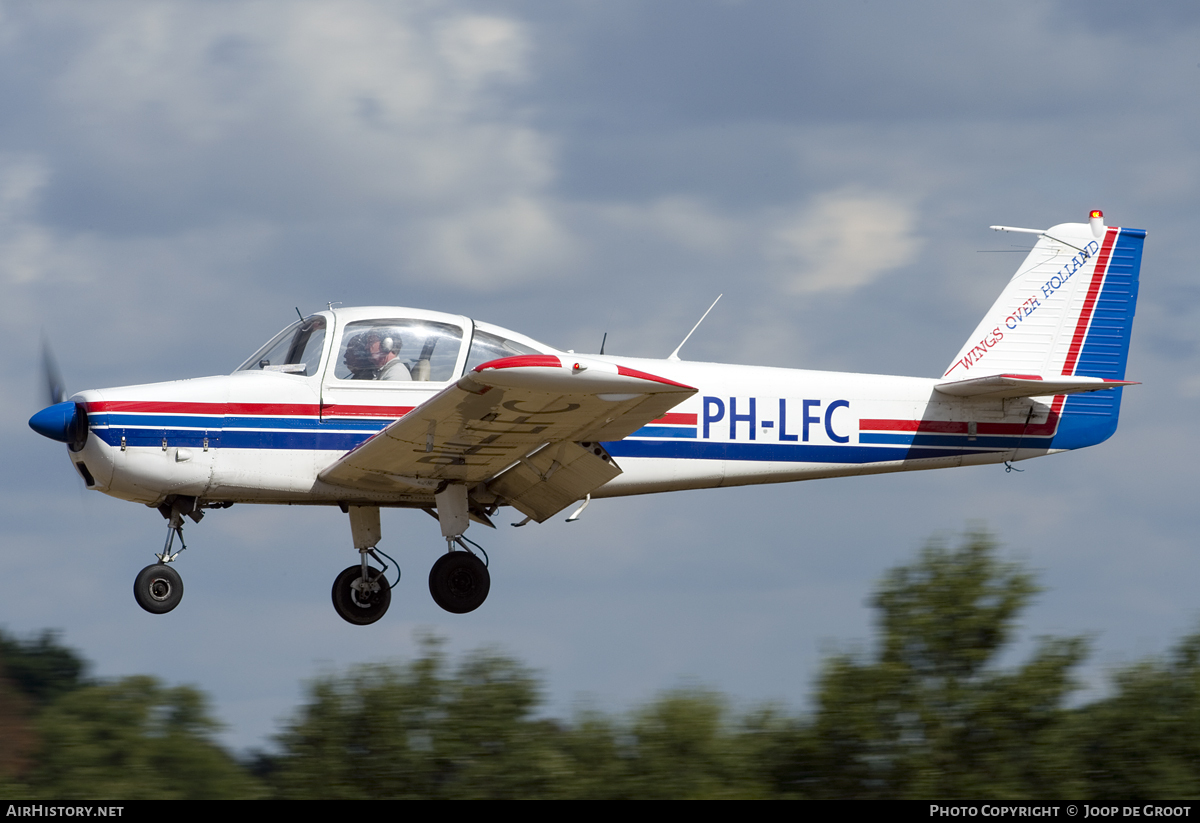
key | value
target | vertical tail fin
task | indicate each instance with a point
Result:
(1068, 311)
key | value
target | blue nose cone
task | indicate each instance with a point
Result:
(55, 422)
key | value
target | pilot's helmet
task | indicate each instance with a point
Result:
(358, 356)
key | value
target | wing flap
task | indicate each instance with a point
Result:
(546, 482)
(504, 411)
(1001, 386)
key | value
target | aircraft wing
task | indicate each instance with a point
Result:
(1000, 386)
(529, 427)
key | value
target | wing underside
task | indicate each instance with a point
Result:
(524, 429)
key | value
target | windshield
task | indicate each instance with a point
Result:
(295, 350)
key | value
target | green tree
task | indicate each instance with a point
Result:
(1143, 741)
(417, 731)
(133, 739)
(41, 668)
(683, 745)
(929, 714)
(33, 673)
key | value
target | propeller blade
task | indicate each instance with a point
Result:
(56, 387)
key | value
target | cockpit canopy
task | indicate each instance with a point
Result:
(388, 345)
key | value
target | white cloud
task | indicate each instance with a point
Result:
(375, 113)
(1190, 386)
(843, 241)
(494, 246)
(355, 100)
(682, 221)
(26, 250)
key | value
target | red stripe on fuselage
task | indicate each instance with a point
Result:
(961, 427)
(170, 407)
(247, 409)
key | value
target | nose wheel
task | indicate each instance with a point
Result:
(360, 599)
(158, 588)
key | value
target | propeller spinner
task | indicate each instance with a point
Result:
(62, 421)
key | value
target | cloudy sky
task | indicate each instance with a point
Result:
(176, 177)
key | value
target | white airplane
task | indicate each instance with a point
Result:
(369, 407)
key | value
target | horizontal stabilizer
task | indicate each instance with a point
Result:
(1000, 386)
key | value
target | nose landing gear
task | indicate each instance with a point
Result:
(158, 588)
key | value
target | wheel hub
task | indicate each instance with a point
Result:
(461, 582)
(364, 594)
(160, 589)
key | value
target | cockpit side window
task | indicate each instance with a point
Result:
(295, 350)
(400, 349)
(486, 346)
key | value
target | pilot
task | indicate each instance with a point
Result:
(372, 355)
(358, 358)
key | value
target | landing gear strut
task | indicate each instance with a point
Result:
(459, 581)
(158, 588)
(362, 594)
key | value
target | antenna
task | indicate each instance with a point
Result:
(675, 354)
(1041, 232)
(298, 314)
(602, 342)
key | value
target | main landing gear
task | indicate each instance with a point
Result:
(362, 594)
(459, 581)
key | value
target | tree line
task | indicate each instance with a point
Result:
(926, 713)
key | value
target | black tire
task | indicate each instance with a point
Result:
(350, 602)
(158, 588)
(459, 582)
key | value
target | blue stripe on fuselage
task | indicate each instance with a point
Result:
(331, 439)
(777, 452)
(987, 442)
(664, 431)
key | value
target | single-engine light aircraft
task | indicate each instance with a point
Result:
(362, 408)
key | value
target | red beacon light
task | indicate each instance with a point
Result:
(1096, 219)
